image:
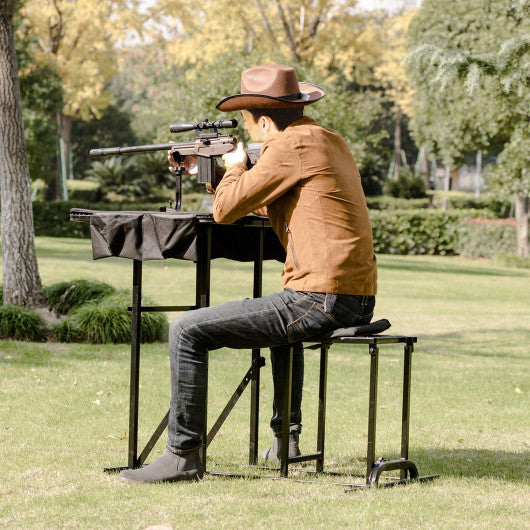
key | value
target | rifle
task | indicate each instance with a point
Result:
(207, 145)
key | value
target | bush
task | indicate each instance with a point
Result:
(484, 238)
(67, 331)
(109, 322)
(386, 202)
(1, 294)
(417, 231)
(21, 323)
(65, 296)
(407, 186)
(52, 219)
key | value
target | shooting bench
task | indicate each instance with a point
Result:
(142, 236)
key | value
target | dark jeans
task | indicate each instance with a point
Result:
(268, 322)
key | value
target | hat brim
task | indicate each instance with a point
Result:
(308, 94)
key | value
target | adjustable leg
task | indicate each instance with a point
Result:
(136, 317)
(321, 432)
(372, 409)
(202, 298)
(286, 415)
(405, 415)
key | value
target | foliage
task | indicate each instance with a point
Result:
(486, 239)
(111, 128)
(65, 296)
(423, 231)
(469, 66)
(67, 331)
(121, 176)
(79, 39)
(108, 321)
(53, 218)
(407, 186)
(511, 175)
(385, 202)
(300, 30)
(41, 99)
(21, 323)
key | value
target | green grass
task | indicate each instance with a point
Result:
(64, 409)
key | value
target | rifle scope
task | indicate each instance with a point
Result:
(205, 124)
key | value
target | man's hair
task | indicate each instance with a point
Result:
(281, 117)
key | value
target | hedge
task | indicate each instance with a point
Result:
(401, 231)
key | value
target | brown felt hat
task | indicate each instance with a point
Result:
(271, 86)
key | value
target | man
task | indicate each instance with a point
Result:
(307, 183)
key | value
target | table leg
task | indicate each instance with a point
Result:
(405, 414)
(136, 316)
(372, 409)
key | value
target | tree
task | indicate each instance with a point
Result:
(41, 100)
(79, 39)
(390, 72)
(296, 29)
(469, 64)
(21, 279)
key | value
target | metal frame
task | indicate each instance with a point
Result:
(202, 299)
(374, 469)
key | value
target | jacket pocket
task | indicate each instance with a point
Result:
(291, 245)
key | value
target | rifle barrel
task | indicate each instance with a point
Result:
(105, 151)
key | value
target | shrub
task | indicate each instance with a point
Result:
(406, 186)
(21, 323)
(67, 331)
(416, 231)
(1, 294)
(484, 238)
(109, 321)
(65, 296)
(386, 202)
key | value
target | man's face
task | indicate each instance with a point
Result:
(255, 130)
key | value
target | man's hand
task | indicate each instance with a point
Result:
(188, 164)
(235, 156)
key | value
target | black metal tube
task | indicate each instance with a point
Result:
(321, 431)
(372, 409)
(136, 317)
(107, 151)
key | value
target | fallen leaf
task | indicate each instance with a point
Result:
(97, 402)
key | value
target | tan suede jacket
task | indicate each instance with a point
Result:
(307, 183)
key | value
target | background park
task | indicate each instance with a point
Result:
(434, 101)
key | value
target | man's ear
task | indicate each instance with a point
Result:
(265, 123)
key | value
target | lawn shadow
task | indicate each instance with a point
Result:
(478, 342)
(477, 463)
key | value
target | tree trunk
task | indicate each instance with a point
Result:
(522, 215)
(64, 131)
(397, 141)
(22, 283)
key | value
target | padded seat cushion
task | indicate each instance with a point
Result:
(363, 330)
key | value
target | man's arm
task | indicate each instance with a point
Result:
(244, 191)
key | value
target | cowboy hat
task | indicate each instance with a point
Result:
(271, 86)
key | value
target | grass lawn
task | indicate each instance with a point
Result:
(64, 409)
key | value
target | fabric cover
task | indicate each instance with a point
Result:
(145, 235)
